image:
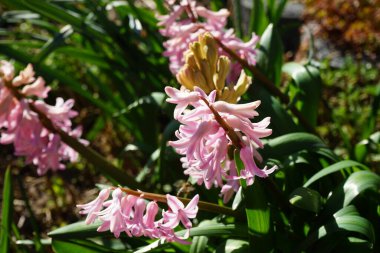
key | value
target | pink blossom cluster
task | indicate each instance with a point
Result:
(183, 25)
(205, 143)
(21, 126)
(134, 216)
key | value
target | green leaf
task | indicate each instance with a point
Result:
(348, 210)
(31, 242)
(258, 19)
(144, 115)
(233, 246)
(199, 243)
(258, 217)
(308, 89)
(356, 184)
(341, 223)
(19, 15)
(81, 230)
(238, 199)
(291, 143)
(81, 246)
(6, 212)
(76, 230)
(216, 229)
(333, 168)
(54, 43)
(236, 7)
(84, 55)
(364, 147)
(354, 245)
(281, 121)
(270, 53)
(275, 9)
(306, 199)
(56, 13)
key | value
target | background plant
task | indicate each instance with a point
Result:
(108, 56)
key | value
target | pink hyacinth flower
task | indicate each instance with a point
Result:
(94, 206)
(204, 142)
(21, 126)
(181, 29)
(179, 213)
(112, 216)
(135, 217)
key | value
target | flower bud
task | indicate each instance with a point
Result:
(222, 71)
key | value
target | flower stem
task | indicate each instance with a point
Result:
(229, 130)
(205, 206)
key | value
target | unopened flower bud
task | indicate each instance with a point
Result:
(222, 71)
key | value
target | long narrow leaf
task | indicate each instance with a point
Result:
(235, 230)
(269, 57)
(258, 20)
(81, 246)
(356, 184)
(292, 143)
(308, 89)
(6, 216)
(333, 168)
(258, 217)
(342, 224)
(54, 43)
(58, 14)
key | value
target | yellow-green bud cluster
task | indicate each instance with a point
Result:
(206, 69)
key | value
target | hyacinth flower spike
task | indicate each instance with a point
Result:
(131, 214)
(187, 21)
(21, 125)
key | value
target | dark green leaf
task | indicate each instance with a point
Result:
(76, 230)
(333, 168)
(291, 143)
(56, 13)
(281, 121)
(308, 83)
(356, 184)
(218, 229)
(199, 243)
(233, 246)
(6, 212)
(277, 11)
(54, 43)
(258, 19)
(258, 217)
(144, 115)
(81, 246)
(306, 199)
(270, 53)
(236, 7)
(341, 224)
